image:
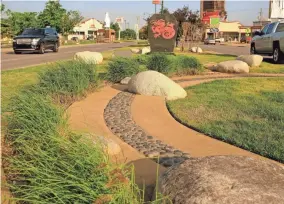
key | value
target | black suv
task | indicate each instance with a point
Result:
(36, 40)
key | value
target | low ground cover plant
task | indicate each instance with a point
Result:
(248, 113)
(44, 162)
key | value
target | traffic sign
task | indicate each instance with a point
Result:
(214, 30)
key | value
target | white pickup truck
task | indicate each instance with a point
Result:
(270, 41)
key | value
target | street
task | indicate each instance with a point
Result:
(227, 49)
(9, 60)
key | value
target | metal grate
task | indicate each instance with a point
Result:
(24, 41)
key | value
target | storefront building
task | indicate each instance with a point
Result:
(230, 31)
(85, 28)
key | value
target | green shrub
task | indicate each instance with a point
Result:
(185, 65)
(120, 67)
(69, 79)
(142, 59)
(160, 62)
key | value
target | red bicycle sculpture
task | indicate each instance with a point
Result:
(162, 29)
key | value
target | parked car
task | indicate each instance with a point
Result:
(90, 37)
(219, 40)
(245, 39)
(36, 39)
(209, 41)
(270, 41)
(76, 39)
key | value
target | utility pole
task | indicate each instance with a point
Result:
(162, 7)
(260, 15)
(124, 24)
(137, 31)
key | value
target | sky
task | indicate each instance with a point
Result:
(243, 11)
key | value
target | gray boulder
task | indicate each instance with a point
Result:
(125, 80)
(233, 66)
(89, 57)
(145, 50)
(153, 83)
(251, 60)
(224, 180)
(196, 50)
(135, 50)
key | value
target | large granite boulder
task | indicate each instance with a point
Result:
(145, 50)
(223, 180)
(153, 83)
(251, 60)
(162, 32)
(125, 80)
(233, 66)
(89, 57)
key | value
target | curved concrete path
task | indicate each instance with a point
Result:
(87, 116)
(151, 113)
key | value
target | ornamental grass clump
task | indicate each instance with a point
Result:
(44, 162)
(187, 65)
(120, 67)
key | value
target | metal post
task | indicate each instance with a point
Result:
(119, 32)
(155, 8)
(162, 7)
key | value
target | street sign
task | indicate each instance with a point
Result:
(214, 30)
(214, 22)
(156, 1)
(119, 20)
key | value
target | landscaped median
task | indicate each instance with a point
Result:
(43, 161)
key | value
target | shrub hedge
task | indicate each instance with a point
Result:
(44, 161)
(185, 65)
(160, 62)
(120, 67)
(167, 64)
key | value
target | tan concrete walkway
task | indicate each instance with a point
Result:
(87, 116)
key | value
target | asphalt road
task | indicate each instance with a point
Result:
(227, 49)
(9, 60)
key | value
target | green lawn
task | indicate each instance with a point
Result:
(246, 112)
(265, 67)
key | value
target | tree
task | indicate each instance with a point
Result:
(17, 22)
(186, 15)
(52, 15)
(69, 20)
(128, 34)
(115, 27)
(2, 8)
(143, 32)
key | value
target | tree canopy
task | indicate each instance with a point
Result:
(128, 34)
(53, 15)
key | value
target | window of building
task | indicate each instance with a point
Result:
(280, 28)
